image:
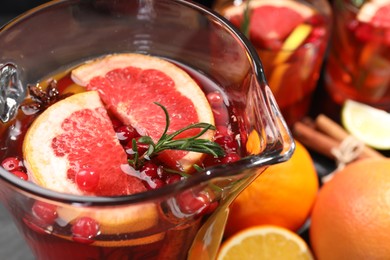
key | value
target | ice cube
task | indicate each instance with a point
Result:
(12, 92)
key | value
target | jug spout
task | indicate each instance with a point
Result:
(12, 91)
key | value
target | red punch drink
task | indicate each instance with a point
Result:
(359, 60)
(118, 142)
(291, 38)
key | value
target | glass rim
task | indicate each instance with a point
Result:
(220, 171)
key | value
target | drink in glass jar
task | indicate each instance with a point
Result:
(291, 38)
(358, 67)
(120, 143)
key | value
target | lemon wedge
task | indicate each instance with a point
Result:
(368, 124)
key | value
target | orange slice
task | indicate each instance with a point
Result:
(129, 84)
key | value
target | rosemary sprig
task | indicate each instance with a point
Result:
(167, 141)
(246, 19)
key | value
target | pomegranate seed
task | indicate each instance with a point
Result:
(190, 203)
(142, 148)
(153, 184)
(317, 34)
(151, 170)
(11, 164)
(227, 142)
(230, 157)
(222, 130)
(126, 133)
(316, 20)
(45, 212)
(84, 230)
(87, 179)
(215, 99)
(364, 32)
(22, 175)
(210, 208)
(221, 116)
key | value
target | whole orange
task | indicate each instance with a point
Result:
(351, 216)
(282, 195)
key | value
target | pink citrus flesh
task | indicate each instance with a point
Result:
(270, 21)
(376, 13)
(73, 135)
(129, 84)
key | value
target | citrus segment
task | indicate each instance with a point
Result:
(366, 123)
(73, 135)
(350, 218)
(129, 84)
(266, 17)
(265, 242)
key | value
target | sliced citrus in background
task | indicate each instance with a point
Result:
(368, 124)
(376, 13)
(265, 242)
(266, 17)
(129, 84)
(75, 134)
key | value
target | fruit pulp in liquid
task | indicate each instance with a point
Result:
(358, 66)
(169, 239)
(293, 78)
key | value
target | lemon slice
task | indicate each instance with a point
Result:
(265, 242)
(368, 124)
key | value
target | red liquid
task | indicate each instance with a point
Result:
(358, 67)
(170, 238)
(294, 79)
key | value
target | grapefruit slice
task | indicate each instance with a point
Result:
(376, 13)
(129, 84)
(76, 134)
(266, 27)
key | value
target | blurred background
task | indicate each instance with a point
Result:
(12, 8)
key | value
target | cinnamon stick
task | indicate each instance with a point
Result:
(314, 140)
(334, 130)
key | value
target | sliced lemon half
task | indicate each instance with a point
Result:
(265, 242)
(366, 123)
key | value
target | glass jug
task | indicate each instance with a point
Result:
(151, 224)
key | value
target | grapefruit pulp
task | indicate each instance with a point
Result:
(271, 22)
(376, 13)
(76, 134)
(129, 84)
